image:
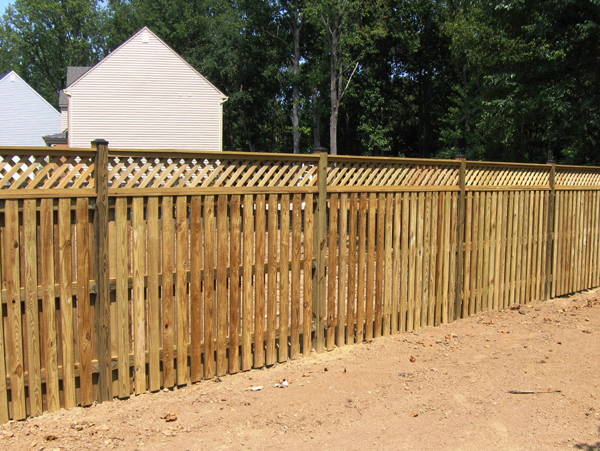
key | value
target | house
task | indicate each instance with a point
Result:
(25, 116)
(142, 95)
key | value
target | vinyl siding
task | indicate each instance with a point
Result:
(144, 95)
(24, 115)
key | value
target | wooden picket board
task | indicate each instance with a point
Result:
(352, 269)
(210, 369)
(370, 296)
(396, 264)
(65, 241)
(122, 297)
(271, 312)
(49, 336)
(181, 288)
(138, 262)
(410, 319)
(234, 286)
(168, 301)
(419, 254)
(296, 273)
(309, 254)
(284, 280)
(259, 276)
(433, 261)
(247, 288)
(426, 257)
(387, 292)
(222, 295)
(83, 302)
(379, 265)
(152, 269)
(361, 296)
(404, 235)
(332, 272)
(342, 295)
(31, 307)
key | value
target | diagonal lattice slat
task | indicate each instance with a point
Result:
(480, 175)
(383, 174)
(164, 172)
(577, 176)
(46, 172)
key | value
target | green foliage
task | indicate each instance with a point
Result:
(496, 79)
(40, 38)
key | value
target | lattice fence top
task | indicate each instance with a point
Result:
(486, 175)
(203, 172)
(580, 176)
(44, 172)
(397, 173)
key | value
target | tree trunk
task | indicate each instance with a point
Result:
(316, 119)
(296, 90)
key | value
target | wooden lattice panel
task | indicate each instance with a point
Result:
(485, 175)
(577, 176)
(46, 172)
(163, 172)
(352, 174)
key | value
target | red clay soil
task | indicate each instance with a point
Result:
(521, 379)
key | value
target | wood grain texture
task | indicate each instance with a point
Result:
(181, 289)
(65, 241)
(31, 307)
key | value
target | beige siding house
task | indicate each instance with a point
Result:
(144, 95)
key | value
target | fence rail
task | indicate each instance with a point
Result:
(125, 270)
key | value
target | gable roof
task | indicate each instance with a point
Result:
(3, 76)
(144, 30)
(73, 74)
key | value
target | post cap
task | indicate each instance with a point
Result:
(320, 149)
(460, 155)
(99, 141)
(551, 161)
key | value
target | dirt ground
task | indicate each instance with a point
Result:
(521, 379)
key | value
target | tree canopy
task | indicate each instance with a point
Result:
(504, 80)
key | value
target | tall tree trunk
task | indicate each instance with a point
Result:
(296, 26)
(316, 118)
(335, 80)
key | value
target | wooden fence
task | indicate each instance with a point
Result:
(125, 271)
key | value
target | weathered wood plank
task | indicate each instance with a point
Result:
(168, 306)
(210, 369)
(296, 289)
(271, 353)
(65, 241)
(31, 308)
(48, 308)
(234, 286)
(83, 302)
(259, 277)
(122, 296)
(153, 294)
(247, 289)
(284, 279)
(138, 266)
(181, 288)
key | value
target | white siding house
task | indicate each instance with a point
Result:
(24, 115)
(144, 95)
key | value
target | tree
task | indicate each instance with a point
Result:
(40, 38)
(350, 27)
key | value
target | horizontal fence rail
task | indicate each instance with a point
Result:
(125, 270)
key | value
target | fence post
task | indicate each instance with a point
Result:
(459, 308)
(320, 238)
(550, 232)
(102, 305)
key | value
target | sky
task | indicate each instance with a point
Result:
(3, 5)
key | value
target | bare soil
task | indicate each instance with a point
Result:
(520, 379)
